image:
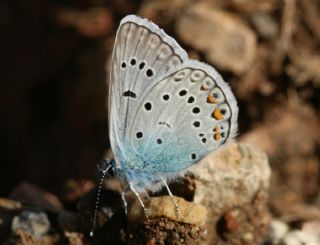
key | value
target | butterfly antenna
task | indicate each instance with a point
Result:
(104, 172)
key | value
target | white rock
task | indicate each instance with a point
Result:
(277, 231)
(35, 223)
(300, 237)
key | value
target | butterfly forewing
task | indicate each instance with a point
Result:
(142, 54)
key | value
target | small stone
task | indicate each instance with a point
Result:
(277, 232)
(225, 39)
(74, 238)
(163, 224)
(162, 12)
(233, 184)
(36, 224)
(9, 204)
(265, 24)
(94, 22)
(300, 237)
(248, 237)
(190, 213)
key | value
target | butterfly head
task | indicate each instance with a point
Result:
(108, 167)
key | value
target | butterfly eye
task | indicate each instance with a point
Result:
(111, 171)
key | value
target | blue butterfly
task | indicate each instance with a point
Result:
(166, 111)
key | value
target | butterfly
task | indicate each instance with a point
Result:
(166, 111)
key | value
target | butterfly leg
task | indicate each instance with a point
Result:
(124, 202)
(140, 200)
(172, 197)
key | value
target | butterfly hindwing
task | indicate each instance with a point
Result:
(185, 116)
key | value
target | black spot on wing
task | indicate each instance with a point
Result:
(165, 124)
(129, 93)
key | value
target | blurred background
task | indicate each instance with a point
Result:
(53, 94)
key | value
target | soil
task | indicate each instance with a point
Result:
(54, 127)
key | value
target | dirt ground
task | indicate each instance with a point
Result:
(53, 97)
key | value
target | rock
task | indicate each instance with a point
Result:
(162, 12)
(21, 237)
(74, 238)
(9, 204)
(277, 232)
(300, 237)
(36, 196)
(247, 86)
(95, 22)
(312, 227)
(233, 185)
(254, 6)
(225, 39)
(265, 24)
(164, 206)
(34, 223)
(163, 225)
(289, 135)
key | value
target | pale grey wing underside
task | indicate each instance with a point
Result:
(184, 117)
(142, 54)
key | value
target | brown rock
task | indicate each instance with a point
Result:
(21, 237)
(163, 225)
(32, 194)
(164, 207)
(162, 12)
(9, 204)
(233, 185)
(224, 38)
(290, 139)
(74, 238)
(254, 6)
(94, 22)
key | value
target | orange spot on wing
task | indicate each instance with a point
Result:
(217, 114)
(217, 136)
(212, 99)
(216, 129)
(204, 88)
